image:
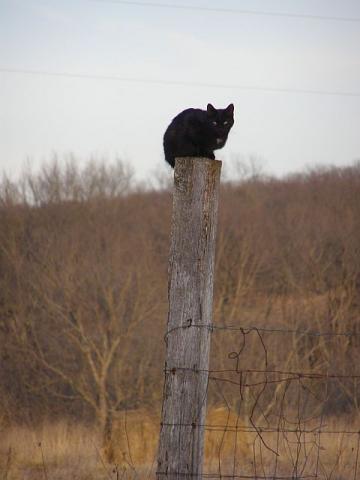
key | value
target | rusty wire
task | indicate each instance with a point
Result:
(286, 419)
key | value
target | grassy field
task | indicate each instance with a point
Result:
(65, 450)
(83, 308)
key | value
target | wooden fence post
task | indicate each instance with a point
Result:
(191, 275)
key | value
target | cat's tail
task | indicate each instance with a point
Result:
(169, 155)
(170, 159)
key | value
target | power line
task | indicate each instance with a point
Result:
(181, 83)
(230, 10)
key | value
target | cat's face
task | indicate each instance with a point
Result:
(220, 121)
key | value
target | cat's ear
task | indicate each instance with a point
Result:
(210, 109)
(230, 109)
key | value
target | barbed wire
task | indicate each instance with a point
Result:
(250, 477)
(294, 375)
(249, 328)
(277, 421)
(249, 429)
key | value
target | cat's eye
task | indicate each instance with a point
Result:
(214, 123)
(225, 123)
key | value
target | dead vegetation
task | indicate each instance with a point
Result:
(83, 301)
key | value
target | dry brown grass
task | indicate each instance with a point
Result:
(57, 450)
(222, 445)
(63, 450)
(136, 432)
(134, 440)
(333, 454)
(50, 451)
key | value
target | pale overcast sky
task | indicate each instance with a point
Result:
(41, 114)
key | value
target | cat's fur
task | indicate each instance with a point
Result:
(197, 133)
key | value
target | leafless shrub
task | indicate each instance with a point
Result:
(83, 259)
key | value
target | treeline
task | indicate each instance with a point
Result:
(83, 286)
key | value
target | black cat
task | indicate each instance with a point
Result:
(197, 133)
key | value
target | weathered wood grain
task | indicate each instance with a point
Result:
(191, 275)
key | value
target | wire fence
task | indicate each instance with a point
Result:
(281, 404)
